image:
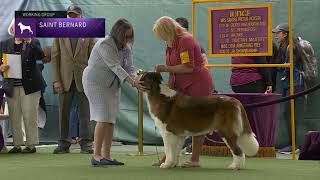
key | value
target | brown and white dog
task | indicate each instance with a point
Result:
(177, 116)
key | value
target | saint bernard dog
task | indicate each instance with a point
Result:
(177, 116)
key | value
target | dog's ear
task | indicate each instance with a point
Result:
(145, 76)
(151, 76)
(157, 77)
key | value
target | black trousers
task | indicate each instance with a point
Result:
(258, 86)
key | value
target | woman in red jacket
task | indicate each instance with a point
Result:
(186, 68)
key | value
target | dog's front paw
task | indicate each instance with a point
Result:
(236, 166)
(167, 165)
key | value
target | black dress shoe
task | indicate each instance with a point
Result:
(114, 162)
(105, 162)
(61, 150)
(29, 150)
(15, 149)
(94, 162)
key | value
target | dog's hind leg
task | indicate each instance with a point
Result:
(170, 147)
(238, 156)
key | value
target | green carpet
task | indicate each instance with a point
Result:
(75, 166)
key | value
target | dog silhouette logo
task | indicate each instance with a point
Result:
(24, 27)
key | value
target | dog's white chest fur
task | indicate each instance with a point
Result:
(158, 123)
(168, 92)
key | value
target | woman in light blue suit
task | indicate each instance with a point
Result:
(110, 65)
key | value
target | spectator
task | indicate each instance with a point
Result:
(23, 94)
(282, 37)
(69, 57)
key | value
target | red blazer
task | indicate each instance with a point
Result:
(198, 83)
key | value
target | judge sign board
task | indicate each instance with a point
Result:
(240, 31)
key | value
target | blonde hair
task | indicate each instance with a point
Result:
(11, 28)
(167, 29)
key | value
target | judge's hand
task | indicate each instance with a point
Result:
(139, 85)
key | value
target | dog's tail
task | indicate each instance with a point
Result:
(247, 140)
(248, 144)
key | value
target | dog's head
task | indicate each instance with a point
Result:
(151, 80)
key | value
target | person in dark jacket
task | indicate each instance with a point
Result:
(281, 33)
(23, 94)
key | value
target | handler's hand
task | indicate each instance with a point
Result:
(161, 68)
